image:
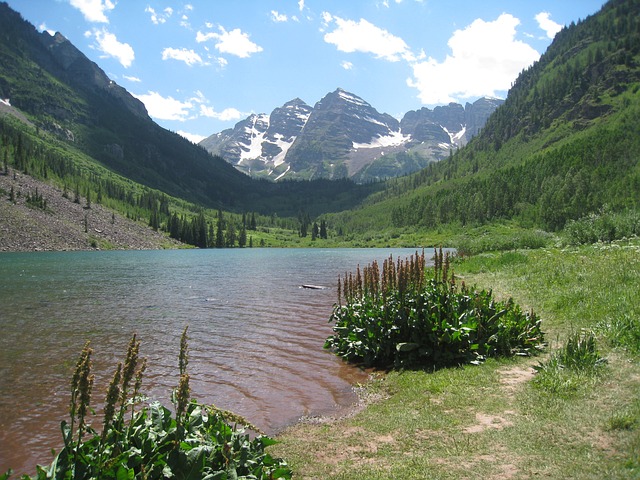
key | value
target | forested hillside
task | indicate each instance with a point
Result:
(565, 143)
(62, 120)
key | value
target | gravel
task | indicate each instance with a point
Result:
(62, 226)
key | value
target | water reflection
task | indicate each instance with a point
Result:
(255, 336)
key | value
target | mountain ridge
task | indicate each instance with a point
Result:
(343, 136)
(565, 144)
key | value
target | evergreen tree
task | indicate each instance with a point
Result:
(220, 231)
(230, 238)
(153, 219)
(252, 223)
(323, 229)
(242, 239)
(314, 231)
(200, 231)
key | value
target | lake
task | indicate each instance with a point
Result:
(255, 336)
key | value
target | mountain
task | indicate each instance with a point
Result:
(60, 91)
(564, 145)
(343, 136)
(79, 126)
(261, 142)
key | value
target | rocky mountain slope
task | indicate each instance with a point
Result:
(344, 136)
(55, 222)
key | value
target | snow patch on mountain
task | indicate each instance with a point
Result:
(256, 133)
(349, 97)
(394, 139)
(284, 146)
(456, 137)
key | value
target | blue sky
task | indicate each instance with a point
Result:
(201, 65)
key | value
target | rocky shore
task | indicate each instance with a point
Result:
(64, 224)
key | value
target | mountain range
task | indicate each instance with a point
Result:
(564, 145)
(342, 135)
(67, 101)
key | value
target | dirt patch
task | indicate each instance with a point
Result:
(512, 378)
(485, 422)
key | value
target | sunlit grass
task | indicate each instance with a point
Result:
(492, 421)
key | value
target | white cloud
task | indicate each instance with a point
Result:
(226, 115)
(278, 17)
(169, 108)
(346, 65)
(43, 28)
(548, 25)
(108, 44)
(192, 137)
(485, 59)
(187, 56)
(132, 79)
(159, 18)
(301, 4)
(165, 108)
(362, 36)
(234, 42)
(94, 10)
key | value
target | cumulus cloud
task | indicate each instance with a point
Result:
(43, 28)
(159, 18)
(346, 65)
(278, 17)
(192, 137)
(225, 115)
(169, 108)
(548, 25)
(182, 54)
(362, 36)
(485, 59)
(109, 45)
(165, 108)
(234, 42)
(94, 10)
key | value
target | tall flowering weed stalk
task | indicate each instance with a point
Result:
(140, 441)
(407, 316)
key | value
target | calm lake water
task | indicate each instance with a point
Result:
(255, 336)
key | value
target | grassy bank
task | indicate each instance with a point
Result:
(500, 419)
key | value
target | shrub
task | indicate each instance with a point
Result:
(572, 366)
(495, 242)
(401, 318)
(603, 226)
(196, 442)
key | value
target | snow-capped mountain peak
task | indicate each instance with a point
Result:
(342, 135)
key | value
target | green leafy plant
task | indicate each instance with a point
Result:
(195, 442)
(572, 366)
(401, 318)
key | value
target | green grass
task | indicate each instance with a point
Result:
(493, 420)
